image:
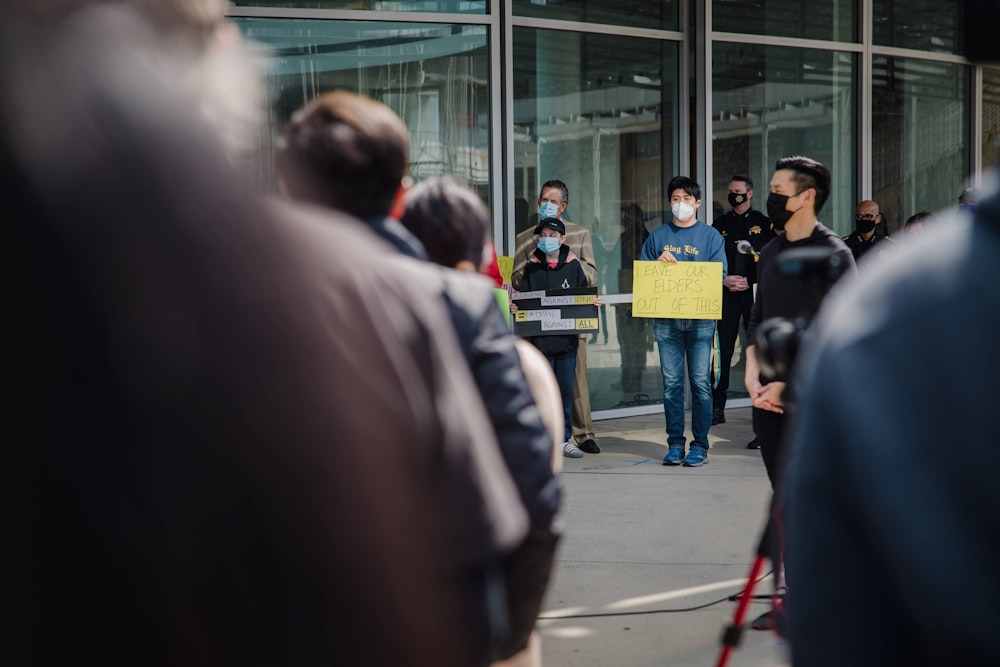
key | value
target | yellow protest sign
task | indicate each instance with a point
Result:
(685, 290)
(506, 265)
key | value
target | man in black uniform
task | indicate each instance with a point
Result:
(740, 223)
(870, 240)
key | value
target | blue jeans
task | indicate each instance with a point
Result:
(565, 369)
(678, 340)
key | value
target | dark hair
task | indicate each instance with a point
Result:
(449, 219)
(808, 174)
(557, 184)
(344, 151)
(683, 183)
(743, 179)
(921, 217)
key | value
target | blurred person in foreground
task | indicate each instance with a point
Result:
(350, 153)
(237, 439)
(452, 224)
(893, 514)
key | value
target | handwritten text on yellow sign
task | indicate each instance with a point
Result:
(685, 290)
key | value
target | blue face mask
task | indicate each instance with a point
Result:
(548, 244)
(548, 210)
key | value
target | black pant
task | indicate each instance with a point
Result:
(735, 306)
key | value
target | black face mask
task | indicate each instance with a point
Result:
(864, 226)
(776, 210)
(737, 199)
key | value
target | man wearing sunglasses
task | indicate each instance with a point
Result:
(869, 232)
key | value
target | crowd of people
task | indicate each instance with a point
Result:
(216, 472)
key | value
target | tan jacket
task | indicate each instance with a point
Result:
(577, 238)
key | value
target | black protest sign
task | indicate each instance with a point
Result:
(555, 311)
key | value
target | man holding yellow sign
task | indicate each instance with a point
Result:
(680, 283)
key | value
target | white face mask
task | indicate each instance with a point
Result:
(682, 211)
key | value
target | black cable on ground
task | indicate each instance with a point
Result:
(609, 614)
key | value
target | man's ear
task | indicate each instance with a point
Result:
(399, 201)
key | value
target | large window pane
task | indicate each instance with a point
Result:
(772, 101)
(451, 6)
(991, 119)
(600, 113)
(920, 135)
(831, 20)
(927, 25)
(435, 76)
(659, 14)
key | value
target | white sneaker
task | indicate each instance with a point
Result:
(572, 451)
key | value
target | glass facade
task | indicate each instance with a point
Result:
(658, 14)
(615, 98)
(772, 101)
(828, 20)
(920, 136)
(434, 75)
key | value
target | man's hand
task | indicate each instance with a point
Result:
(534, 259)
(769, 397)
(513, 307)
(736, 283)
(667, 257)
(597, 301)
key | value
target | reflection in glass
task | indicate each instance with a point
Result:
(658, 14)
(635, 335)
(831, 20)
(598, 112)
(991, 118)
(435, 76)
(448, 6)
(771, 101)
(927, 25)
(920, 136)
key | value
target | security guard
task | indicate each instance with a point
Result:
(869, 240)
(740, 223)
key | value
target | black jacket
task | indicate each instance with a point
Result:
(865, 252)
(563, 276)
(752, 226)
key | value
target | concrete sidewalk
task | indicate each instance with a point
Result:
(641, 537)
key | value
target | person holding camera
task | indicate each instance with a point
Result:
(799, 188)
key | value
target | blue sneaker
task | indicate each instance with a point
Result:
(698, 456)
(674, 456)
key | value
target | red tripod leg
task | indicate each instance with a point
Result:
(732, 634)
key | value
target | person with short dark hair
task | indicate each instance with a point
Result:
(799, 188)
(740, 223)
(870, 241)
(685, 239)
(350, 153)
(915, 223)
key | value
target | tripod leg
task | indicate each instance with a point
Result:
(732, 634)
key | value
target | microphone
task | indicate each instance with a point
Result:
(744, 248)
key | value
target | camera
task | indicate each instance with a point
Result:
(779, 338)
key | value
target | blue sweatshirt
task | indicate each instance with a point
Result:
(697, 243)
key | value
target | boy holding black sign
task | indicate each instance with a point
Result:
(557, 270)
